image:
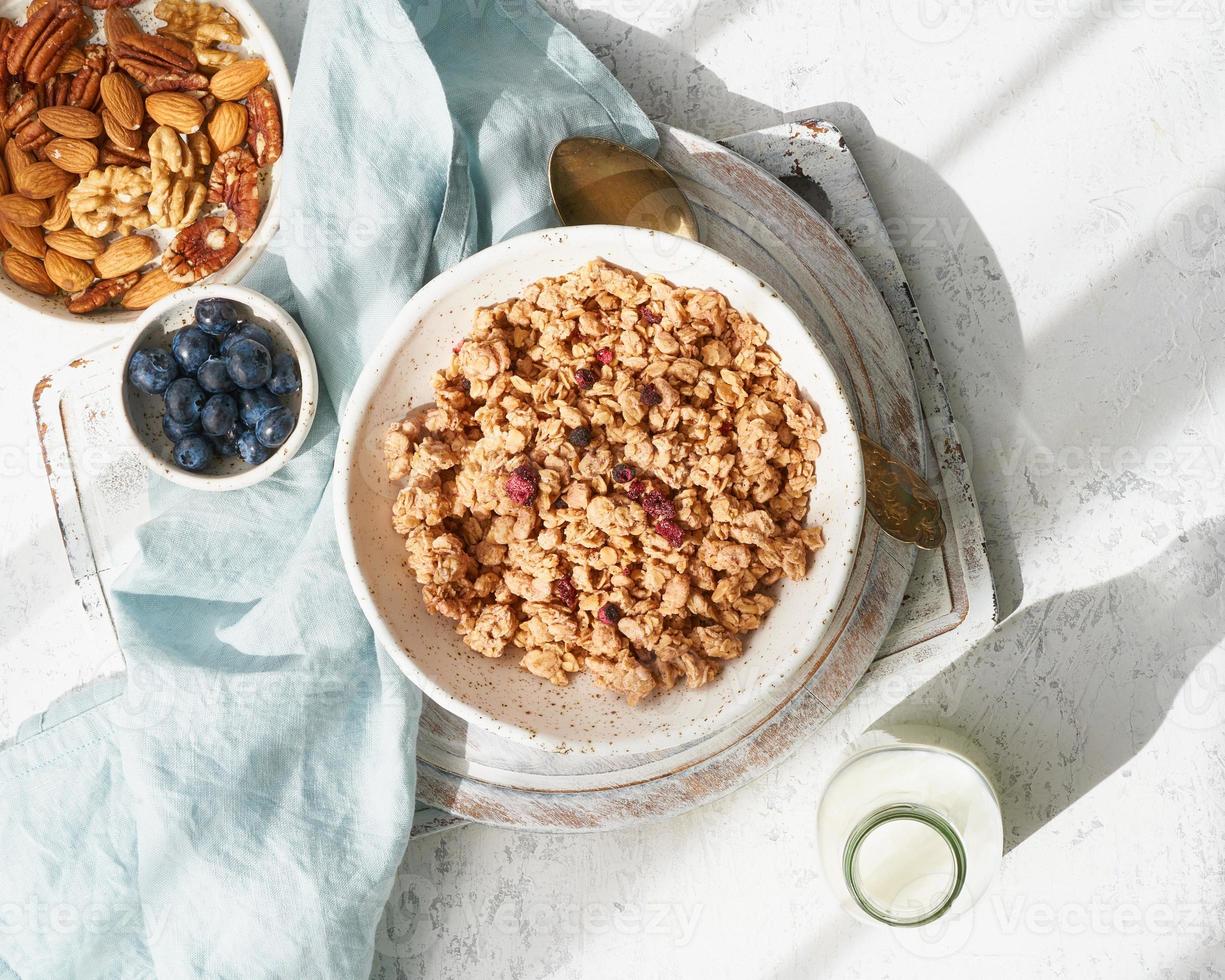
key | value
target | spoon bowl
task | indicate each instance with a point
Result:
(595, 181)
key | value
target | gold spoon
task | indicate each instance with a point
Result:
(596, 181)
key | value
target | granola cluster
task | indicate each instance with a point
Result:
(614, 472)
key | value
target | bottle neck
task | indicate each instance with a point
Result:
(904, 864)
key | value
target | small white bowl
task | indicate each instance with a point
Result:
(143, 412)
(260, 43)
(498, 695)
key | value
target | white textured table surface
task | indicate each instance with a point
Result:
(1052, 173)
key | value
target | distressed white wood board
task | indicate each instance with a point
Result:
(98, 523)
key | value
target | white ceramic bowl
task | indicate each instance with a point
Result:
(142, 412)
(499, 695)
(259, 42)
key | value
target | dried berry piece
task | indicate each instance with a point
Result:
(636, 489)
(585, 378)
(579, 437)
(657, 506)
(609, 614)
(522, 484)
(650, 396)
(672, 532)
(604, 355)
(565, 592)
(648, 314)
(622, 473)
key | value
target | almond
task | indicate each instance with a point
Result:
(61, 212)
(227, 127)
(42, 180)
(6, 186)
(122, 101)
(71, 275)
(75, 156)
(74, 242)
(176, 109)
(28, 273)
(234, 81)
(23, 211)
(15, 159)
(129, 139)
(72, 62)
(152, 287)
(70, 121)
(124, 256)
(28, 240)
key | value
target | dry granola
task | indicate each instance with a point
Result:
(613, 474)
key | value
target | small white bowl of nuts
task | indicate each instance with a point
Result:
(141, 151)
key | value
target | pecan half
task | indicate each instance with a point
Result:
(33, 136)
(8, 31)
(102, 293)
(147, 57)
(21, 111)
(200, 250)
(191, 81)
(107, 4)
(42, 51)
(264, 133)
(56, 89)
(86, 91)
(234, 182)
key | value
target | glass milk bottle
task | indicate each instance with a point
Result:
(909, 828)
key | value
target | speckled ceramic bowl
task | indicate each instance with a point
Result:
(499, 695)
(259, 42)
(143, 412)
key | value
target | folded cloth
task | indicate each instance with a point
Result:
(238, 805)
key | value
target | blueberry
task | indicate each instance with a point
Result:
(284, 378)
(192, 348)
(179, 430)
(275, 426)
(254, 402)
(250, 450)
(218, 414)
(226, 444)
(214, 376)
(184, 399)
(249, 363)
(247, 331)
(215, 315)
(193, 453)
(151, 370)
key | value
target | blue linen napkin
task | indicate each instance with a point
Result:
(238, 805)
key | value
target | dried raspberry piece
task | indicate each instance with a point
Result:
(648, 314)
(636, 489)
(610, 614)
(579, 437)
(658, 506)
(622, 473)
(650, 396)
(565, 592)
(522, 484)
(458, 345)
(669, 529)
(604, 355)
(585, 378)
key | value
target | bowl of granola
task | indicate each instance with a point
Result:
(143, 141)
(599, 490)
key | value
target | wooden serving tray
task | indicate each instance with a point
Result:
(897, 602)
